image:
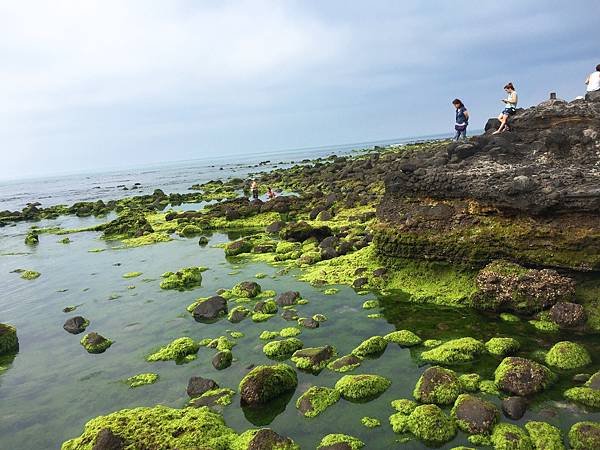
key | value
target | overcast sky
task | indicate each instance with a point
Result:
(88, 85)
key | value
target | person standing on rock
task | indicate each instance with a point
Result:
(510, 107)
(270, 194)
(462, 119)
(254, 189)
(593, 80)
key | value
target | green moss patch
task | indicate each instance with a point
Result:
(568, 355)
(373, 346)
(186, 278)
(545, 436)
(502, 346)
(316, 400)
(362, 387)
(455, 351)
(332, 439)
(507, 436)
(181, 349)
(404, 338)
(142, 379)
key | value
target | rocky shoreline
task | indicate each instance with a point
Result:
(508, 224)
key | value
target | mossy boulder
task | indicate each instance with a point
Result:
(282, 349)
(265, 383)
(470, 382)
(545, 436)
(506, 286)
(474, 415)
(222, 360)
(585, 436)
(345, 363)
(186, 278)
(588, 395)
(76, 325)
(238, 247)
(313, 359)
(95, 343)
(404, 338)
(455, 351)
(340, 442)
(568, 355)
(263, 439)
(521, 376)
(362, 387)
(265, 307)
(158, 427)
(502, 346)
(9, 343)
(404, 405)
(210, 309)
(183, 348)
(437, 385)
(288, 298)
(238, 314)
(429, 424)
(214, 397)
(246, 289)
(507, 436)
(316, 400)
(568, 314)
(373, 346)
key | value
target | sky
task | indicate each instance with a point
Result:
(88, 85)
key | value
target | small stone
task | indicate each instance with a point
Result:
(514, 407)
(198, 386)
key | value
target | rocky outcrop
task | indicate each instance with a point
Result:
(530, 195)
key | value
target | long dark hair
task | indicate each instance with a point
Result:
(509, 86)
(458, 102)
(598, 68)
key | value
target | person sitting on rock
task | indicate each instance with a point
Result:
(254, 189)
(593, 80)
(270, 194)
(510, 107)
(462, 119)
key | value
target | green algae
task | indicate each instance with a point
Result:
(159, 427)
(585, 395)
(585, 436)
(265, 383)
(236, 334)
(9, 342)
(344, 364)
(185, 278)
(545, 326)
(507, 317)
(222, 396)
(245, 442)
(437, 385)
(489, 387)
(268, 335)
(545, 436)
(502, 346)
(331, 291)
(94, 343)
(178, 350)
(429, 424)
(261, 317)
(470, 382)
(404, 338)
(222, 343)
(332, 439)
(370, 304)
(289, 332)
(455, 351)
(372, 346)
(362, 387)
(313, 359)
(316, 400)
(370, 422)
(319, 318)
(568, 355)
(431, 343)
(131, 274)
(404, 405)
(30, 274)
(282, 349)
(399, 422)
(506, 436)
(142, 379)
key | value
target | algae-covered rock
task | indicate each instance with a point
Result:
(76, 325)
(521, 376)
(506, 286)
(263, 439)
(214, 397)
(455, 351)
(221, 343)
(282, 349)
(313, 359)
(370, 304)
(316, 400)
(375, 345)
(308, 322)
(437, 385)
(238, 314)
(95, 343)
(502, 346)
(429, 424)
(345, 363)
(159, 427)
(222, 360)
(288, 298)
(340, 442)
(362, 387)
(370, 422)
(30, 274)
(585, 395)
(183, 348)
(142, 379)
(210, 309)
(238, 247)
(474, 415)
(289, 332)
(32, 238)
(470, 382)
(246, 289)
(404, 338)
(585, 436)
(404, 405)
(399, 422)
(545, 436)
(568, 315)
(9, 343)
(265, 383)
(568, 355)
(129, 225)
(507, 436)
(199, 385)
(186, 278)
(265, 307)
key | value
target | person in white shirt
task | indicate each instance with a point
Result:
(510, 107)
(593, 80)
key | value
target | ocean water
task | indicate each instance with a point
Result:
(52, 387)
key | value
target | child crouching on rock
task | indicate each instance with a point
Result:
(462, 119)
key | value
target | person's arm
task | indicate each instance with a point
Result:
(466, 114)
(587, 80)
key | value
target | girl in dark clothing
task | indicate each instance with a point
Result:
(462, 119)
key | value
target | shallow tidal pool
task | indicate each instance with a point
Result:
(52, 387)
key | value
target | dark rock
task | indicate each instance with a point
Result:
(521, 376)
(198, 386)
(75, 325)
(316, 355)
(275, 227)
(582, 378)
(203, 240)
(211, 309)
(107, 440)
(238, 315)
(267, 439)
(301, 231)
(568, 315)
(360, 282)
(476, 416)
(379, 272)
(290, 315)
(288, 298)
(359, 271)
(514, 407)
(308, 322)
(263, 307)
(222, 360)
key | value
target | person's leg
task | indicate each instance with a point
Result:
(456, 135)
(464, 134)
(502, 118)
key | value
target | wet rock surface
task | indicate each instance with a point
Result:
(199, 385)
(514, 407)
